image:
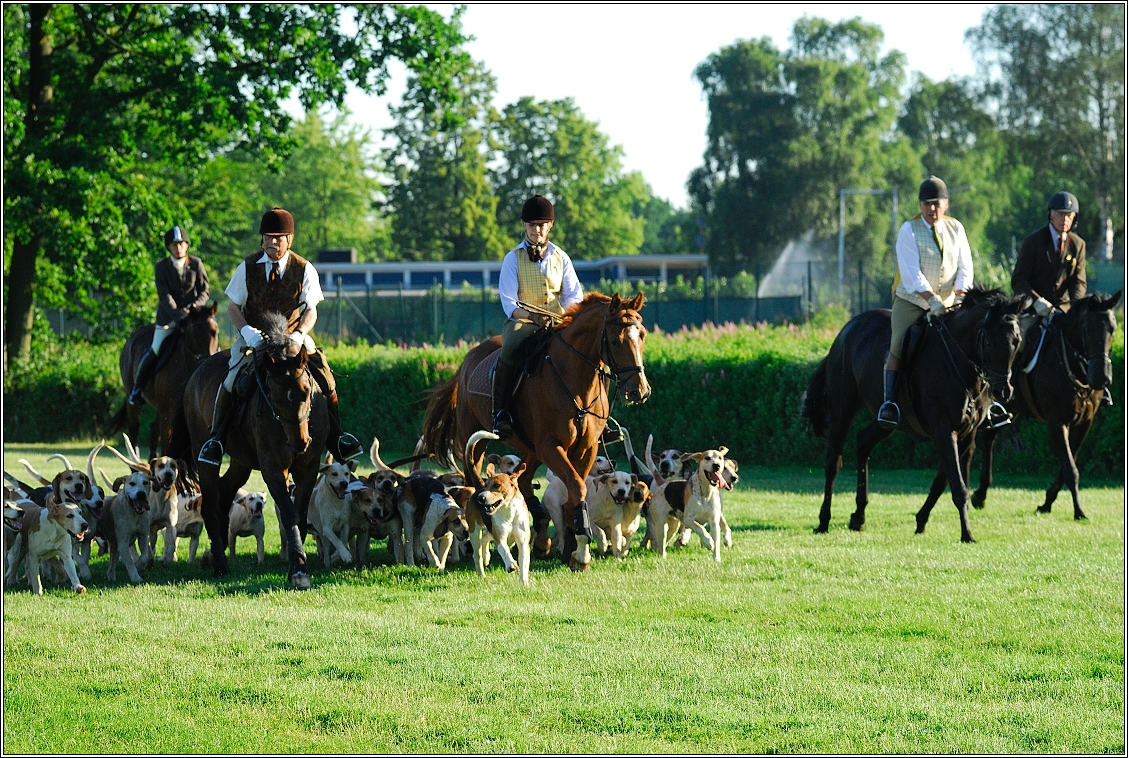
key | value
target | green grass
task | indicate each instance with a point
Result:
(880, 641)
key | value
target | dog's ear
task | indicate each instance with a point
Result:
(735, 465)
(516, 473)
(656, 458)
(493, 458)
(153, 463)
(324, 467)
(57, 486)
(722, 450)
(119, 483)
(634, 478)
(491, 469)
(88, 488)
(687, 457)
(612, 463)
(351, 465)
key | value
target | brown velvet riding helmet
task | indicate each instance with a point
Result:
(276, 221)
(537, 208)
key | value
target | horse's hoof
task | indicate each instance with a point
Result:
(967, 539)
(820, 529)
(1080, 517)
(80, 590)
(301, 581)
(856, 525)
(978, 501)
(577, 566)
(542, 550)
(920, 529)
(1041, 509)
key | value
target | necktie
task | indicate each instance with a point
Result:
(274, 272)
(1061, 245)
(939, 240)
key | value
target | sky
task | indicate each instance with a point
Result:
(631, 67)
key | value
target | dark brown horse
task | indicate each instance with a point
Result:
(559, 412)
(1076, 345)
(198, 338)
(945, 392)
(280, 431)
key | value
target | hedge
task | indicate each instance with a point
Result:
(719, 385)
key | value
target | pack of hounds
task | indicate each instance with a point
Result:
(427, 517)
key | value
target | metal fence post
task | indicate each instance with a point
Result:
(810, 292)
(483, 311)
(339, 305)
(756, 318)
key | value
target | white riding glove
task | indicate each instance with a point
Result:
(1042, 307)
(936, 306)
(301, 341)
(252, 336)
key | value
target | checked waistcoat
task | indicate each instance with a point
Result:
(537, 288)
(939, 269)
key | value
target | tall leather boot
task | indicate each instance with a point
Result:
(211, 452)
(502, 388)
(344, 446)
(889, 415)
(144, 373)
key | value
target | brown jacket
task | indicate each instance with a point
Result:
(176, 293)
(1043, 272)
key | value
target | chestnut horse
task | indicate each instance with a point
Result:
(559, 413)
(280, 431)
(1076, 345)
(198, 338)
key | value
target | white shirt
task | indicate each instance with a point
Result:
(1055, 236)
(908, 260)
(179, 263)
(311, 285)
(570, 290)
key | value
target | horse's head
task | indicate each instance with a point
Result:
(1090, 327)
(289, 386)
(623, 339)
(201, 331)
(995, 319)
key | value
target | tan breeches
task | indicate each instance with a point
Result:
(904, 315)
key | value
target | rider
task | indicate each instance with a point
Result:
(182, 283)
(538, 273)
(934, 271)
(288, 284)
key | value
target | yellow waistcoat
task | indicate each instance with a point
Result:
(537, 288)
(939, 269)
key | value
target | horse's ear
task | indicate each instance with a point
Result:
(214, 307)
(616, 303)
(1113, 301)
(636, 304)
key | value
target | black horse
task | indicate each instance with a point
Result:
(946, 385)
(1076, 345)
(280, 431)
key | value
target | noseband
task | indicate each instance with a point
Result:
(289, 395)
(606, 355)
(604, 373)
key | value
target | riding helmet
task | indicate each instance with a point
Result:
(276, 221)
(1064, 201)
(175, 234)
(932, 188)
(537, 208)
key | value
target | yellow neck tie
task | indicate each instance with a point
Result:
(936, 236)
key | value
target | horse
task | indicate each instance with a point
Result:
(958, 360)
(1076, 344)
(560, 411)
(198, 339)
(279, 430)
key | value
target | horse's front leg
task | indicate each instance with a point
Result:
(297, 572)
(951, 462)
(575, 508)
(986, 474)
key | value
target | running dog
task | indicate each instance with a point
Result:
(615, 503)
(556, 494)
(688, 503)
(498, 514)
(245, 520)
(47, 533)
(441, 520)
(127, 521)
(329, 512)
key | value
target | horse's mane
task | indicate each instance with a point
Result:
(275, 338)
(575, 310)
(985, 298)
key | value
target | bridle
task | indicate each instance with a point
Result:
(606, 370)
(1085, 357)
(265, 392)
(986, 374)
(196, 357)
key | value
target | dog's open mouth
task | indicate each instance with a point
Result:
(12, 523)
(618, 499)
(139, 504)
(78, 537)
(97, 511)
(166, 486)
(725, 484)
(341, 490)
(716, 479)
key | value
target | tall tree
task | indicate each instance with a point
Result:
(788, 130)
(99, 99)
(551, 148)
(439, 199)
(1055, 73)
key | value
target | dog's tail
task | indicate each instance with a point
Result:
(649, 458)
(439, 422)
(812, 406)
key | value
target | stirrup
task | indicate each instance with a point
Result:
(1107, 398)
(208, 452)
(349, 447)
(997, 415)
(503, 424)
(889, 415)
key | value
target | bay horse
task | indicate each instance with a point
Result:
(945, 392)
(1076, 345)
(560, 411)
(280, 430)
(198, 338)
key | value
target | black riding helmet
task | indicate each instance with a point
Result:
(1065, 201)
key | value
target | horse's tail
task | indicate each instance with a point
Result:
(117, 422)
(812, 406)
(439, 421)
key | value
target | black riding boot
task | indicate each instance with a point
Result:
(502, 389)
(144, 373)
(211, 452)
(343, 446)
(889, 415)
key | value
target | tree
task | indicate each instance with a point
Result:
(1055, 75)
(549, 147)
(787, 130)
(439, 199)
(101, 100)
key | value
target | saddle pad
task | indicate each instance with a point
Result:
(480, 381)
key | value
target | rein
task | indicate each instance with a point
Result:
(983, 373)
(270, 403)
(606, 370)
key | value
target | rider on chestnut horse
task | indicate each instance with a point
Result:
(537, 273)
(275, 279)
(182, 283)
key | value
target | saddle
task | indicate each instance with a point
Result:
(168, 347)
(529, 360)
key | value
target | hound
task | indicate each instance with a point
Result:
(47, 533)
(245, 520)
(164, 506)
(500, 501)
(127, 520)
(688, 503)
(329, 512)
(615, 503)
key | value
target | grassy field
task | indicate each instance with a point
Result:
(879, 641)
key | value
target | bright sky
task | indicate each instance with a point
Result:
(631, 67)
